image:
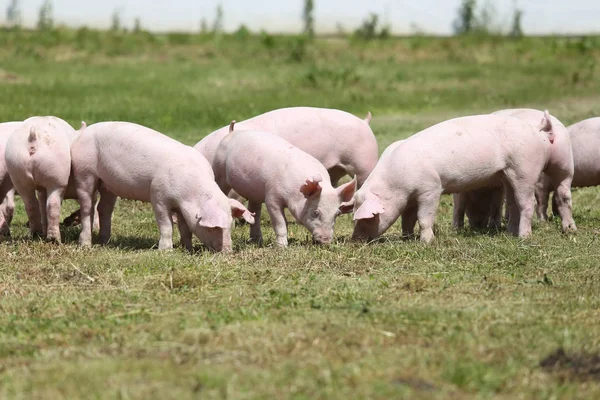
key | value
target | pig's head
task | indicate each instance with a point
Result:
(214, 220)
(323, 205)
(371, 216)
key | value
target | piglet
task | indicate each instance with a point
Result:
(451, 157)
(265, 168)
(343, 143)
(131, 161)
(38, 157)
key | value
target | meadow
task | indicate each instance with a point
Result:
(474, 315)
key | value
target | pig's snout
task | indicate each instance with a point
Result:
(323, 238)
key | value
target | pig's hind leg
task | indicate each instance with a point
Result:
(52, 206)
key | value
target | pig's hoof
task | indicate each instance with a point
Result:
(257, 240)
(104, 239)
(53, 239)
(85, 243)
(165, 246)
(571, 229)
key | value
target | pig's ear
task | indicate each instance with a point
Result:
(347, 207)
(546, 126)
(370, 208)
(312, 186)
(346, 191)
(212, 216)
(239, 211)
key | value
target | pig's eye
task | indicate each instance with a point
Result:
(316, 213)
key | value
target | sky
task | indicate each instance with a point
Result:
(428, 16)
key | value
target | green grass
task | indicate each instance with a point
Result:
(470, 316)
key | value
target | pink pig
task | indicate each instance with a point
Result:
(38, 158)
(585, 140)
(343, 143)
(559, 170)
(265, 168)
(7, 191)
(459, 155)
(131, 161)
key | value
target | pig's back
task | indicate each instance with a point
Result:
(469, 151)
(130, 157)
(331, 136)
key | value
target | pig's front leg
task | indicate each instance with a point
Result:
(428, 205)
(255, 231)
(277, 214)
(165, 225)
(185, 232)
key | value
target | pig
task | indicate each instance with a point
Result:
(38, 157)
(343, 143)
(131, 161)
(585, 141)
(559, 170)
(7, 191)
(265, 168)
(451, 157)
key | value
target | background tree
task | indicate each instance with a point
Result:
(516, 30)
(218, 23)
(465, 21)
(115, 24)
(309, 18)
(13, 13)
(45, 17)
(137, 25)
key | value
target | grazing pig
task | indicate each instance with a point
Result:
(343, 143)
(7, 192)
(131, 161)
(451, 157)
(38, 158)
(265, 168)
(559, 170)
(585, 141)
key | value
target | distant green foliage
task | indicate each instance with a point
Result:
(46, 16)
(115, 24)
(309, 18)
(516, 30)
(476, 18)
(218, 22)
(13, 14)
(137, 25)
(370, 29)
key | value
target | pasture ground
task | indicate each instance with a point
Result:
(475, 315)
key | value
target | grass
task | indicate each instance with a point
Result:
(472, 315)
